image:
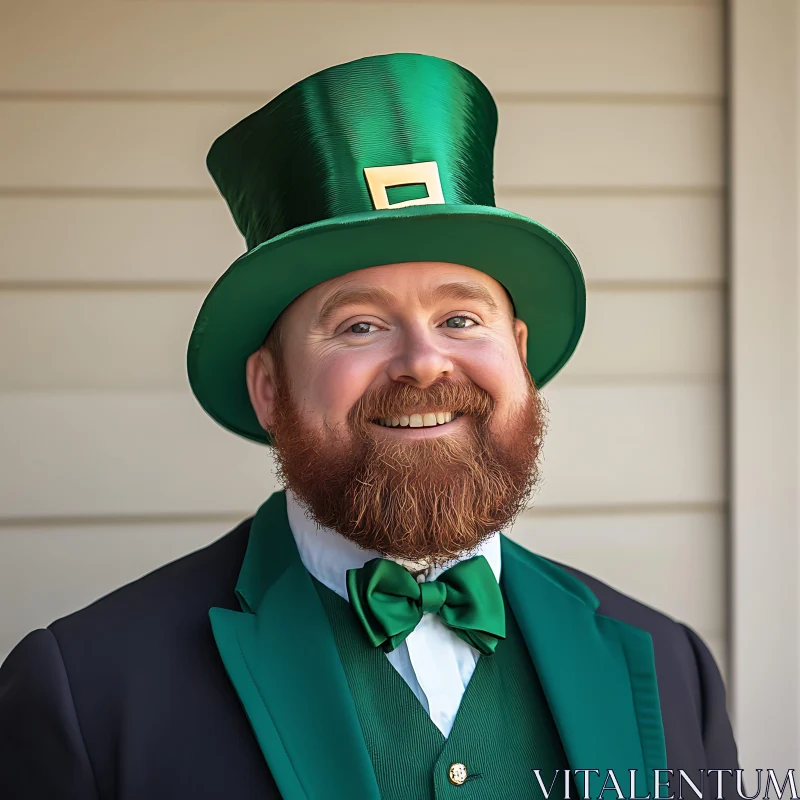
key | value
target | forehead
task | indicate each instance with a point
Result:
(422, 283)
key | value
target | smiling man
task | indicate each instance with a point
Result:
(398, 395)
(372, 632)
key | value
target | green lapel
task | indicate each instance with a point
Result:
(280, 655)
(598, 673)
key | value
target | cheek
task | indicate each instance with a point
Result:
(497, 368)
(339, 381)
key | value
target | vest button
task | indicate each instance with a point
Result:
(457, 774)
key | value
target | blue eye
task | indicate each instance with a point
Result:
(360, 325)
(463, 322)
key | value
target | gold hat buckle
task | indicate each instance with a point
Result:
(379, 179)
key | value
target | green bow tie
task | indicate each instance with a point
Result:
(390, 603)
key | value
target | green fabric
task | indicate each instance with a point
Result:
(502, 732)
(598, 674)
(284, 666)
(402, 194)
(300, 159)
(390, 603)
(293, 176)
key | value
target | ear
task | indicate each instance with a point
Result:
(260, 373)
(521, 338)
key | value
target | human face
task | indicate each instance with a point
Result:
(402, 341)
(404, 323)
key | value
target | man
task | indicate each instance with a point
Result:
(371, 633)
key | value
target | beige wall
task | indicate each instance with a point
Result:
(765, 386)
(611, 132)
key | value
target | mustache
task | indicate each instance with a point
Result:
(442, 395)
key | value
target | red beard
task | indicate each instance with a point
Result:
(435, 498)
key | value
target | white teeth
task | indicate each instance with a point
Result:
(428, 420)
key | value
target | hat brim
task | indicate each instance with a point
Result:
(539, 271)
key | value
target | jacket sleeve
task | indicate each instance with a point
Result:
(42, 753)
(718, 742)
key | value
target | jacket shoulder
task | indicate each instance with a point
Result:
(671, 638)
(612, 602)
(163, 600)
(133, 673)
(674, 643)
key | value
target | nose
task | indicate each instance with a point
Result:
(420, 360)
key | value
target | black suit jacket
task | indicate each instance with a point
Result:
(128, 699)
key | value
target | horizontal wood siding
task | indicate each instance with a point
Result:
(611, 133)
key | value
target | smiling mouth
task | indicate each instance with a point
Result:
(425, 420)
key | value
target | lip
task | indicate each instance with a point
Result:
(408, 432)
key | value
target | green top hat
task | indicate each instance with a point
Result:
(383, 160)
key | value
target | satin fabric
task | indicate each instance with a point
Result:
(300, 159)
(390, 603)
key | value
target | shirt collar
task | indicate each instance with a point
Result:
(327, 555)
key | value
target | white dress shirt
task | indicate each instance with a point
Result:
(435, 663)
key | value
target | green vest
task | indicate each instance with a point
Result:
(502, 732)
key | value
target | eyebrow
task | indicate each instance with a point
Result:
(351, 297)
(461, 291)
(447, 291)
